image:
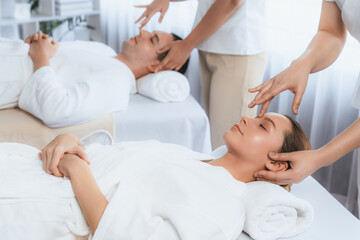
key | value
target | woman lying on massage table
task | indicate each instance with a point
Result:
(138, 190)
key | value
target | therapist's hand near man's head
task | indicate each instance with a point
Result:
(179, 51)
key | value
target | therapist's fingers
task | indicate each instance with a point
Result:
(256, 89)
(162, 15)
(264, 108)
(297, 101)
(163, 49)
(269, 91)
(261, 92)
(142, 15)
(279, 178)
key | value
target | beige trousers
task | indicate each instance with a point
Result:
(225, 80)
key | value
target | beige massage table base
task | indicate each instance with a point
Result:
(19, 126)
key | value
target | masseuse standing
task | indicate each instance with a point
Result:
(230, 37)
(337, 16)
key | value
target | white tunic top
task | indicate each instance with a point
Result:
(243, 33)
(83, 82)
(350, 10)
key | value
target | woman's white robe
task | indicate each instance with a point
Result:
(155, 191)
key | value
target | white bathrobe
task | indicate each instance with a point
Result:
(155, 191)
(83, 82)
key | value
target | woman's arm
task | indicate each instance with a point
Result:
(322, 51)
(215, 17)
(91, 200)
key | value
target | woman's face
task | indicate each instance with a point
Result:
(254, 138)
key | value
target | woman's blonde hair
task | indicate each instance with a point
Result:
(294, 140)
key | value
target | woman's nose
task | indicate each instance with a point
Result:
(244, 120)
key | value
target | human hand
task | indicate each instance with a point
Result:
(55, 150)
(156, 6)
(294, 78)
(41, 46)
(70, 162)
(35, 37)
(303, 164)
(179, 52)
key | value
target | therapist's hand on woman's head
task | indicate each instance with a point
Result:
(55, 150)
(293, 78)
(303, 164)
(179, 52)
(156, 6)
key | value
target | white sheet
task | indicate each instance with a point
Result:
(184, 123)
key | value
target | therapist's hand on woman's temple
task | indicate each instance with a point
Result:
(303, 164)
(55, 150)
(293, 78)
(156, 6)
(179, 52)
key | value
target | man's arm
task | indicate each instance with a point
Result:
(91, 200)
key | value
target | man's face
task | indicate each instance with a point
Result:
(143, 47)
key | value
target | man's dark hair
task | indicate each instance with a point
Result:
(161, 56)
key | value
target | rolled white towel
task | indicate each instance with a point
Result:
(272, 212)
(164, 86)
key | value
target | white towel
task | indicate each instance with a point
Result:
(272, 212)
(165, 86)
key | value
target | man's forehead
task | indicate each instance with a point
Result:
(163, 37)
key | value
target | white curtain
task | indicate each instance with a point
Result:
(326, 106)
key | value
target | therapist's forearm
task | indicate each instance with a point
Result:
(329, 41)
(345, 142)
(215, 17)
(88, 194)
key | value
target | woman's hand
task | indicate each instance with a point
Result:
(55, 150)
(156, 6)
(294, 78)
(303, 164)
(179, 52)
(70, 162)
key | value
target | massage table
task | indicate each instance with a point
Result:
(332, 221)
(183, 123)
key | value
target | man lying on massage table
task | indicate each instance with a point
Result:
(74, 82)
(138, 190)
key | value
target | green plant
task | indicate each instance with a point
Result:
(34, 5)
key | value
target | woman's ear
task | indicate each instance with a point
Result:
(276, 166)
(152, 66)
